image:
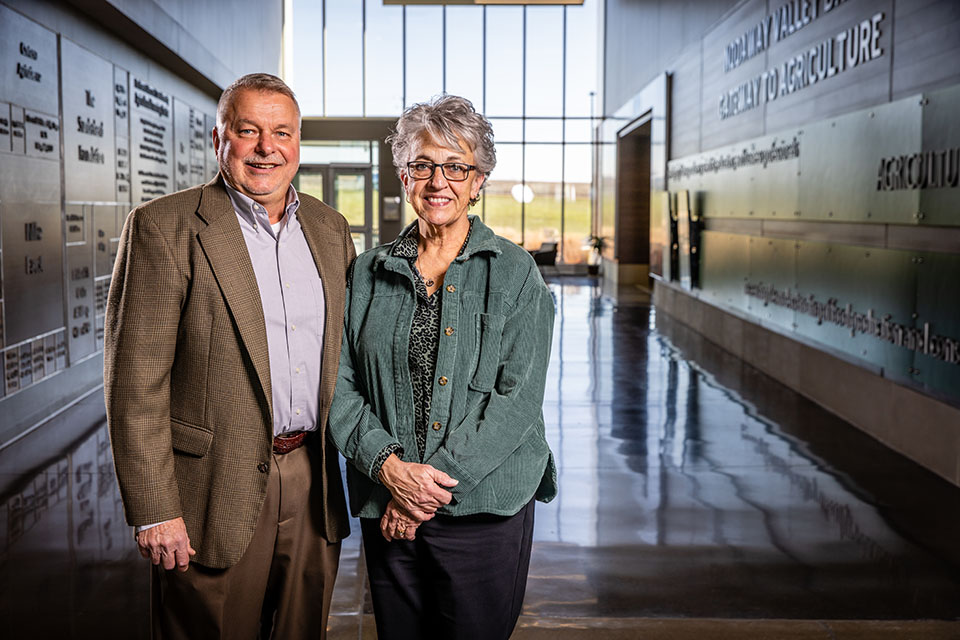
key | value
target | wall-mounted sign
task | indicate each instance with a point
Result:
(151, 141)
(29, 188)
(88, 114)
(28, 63)
(938, 169)
(898, 162)
(121, 120)
(776, 26)
(198, 148)
(210, 155)
(181, 144)
(918, 337)
(855, 45)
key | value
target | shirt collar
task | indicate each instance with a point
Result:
(408, 243)
(254, 214)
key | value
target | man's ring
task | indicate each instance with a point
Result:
(401, 528)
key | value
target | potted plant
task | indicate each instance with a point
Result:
(596, 244)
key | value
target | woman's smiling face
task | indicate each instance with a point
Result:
(436, 200)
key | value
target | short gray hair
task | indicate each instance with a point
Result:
(446, 119)
(255, 82)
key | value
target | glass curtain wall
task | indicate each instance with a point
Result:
(532, 70)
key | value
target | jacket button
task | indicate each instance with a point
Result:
(442, 380)
(263, 467)
(436, 426)
(451, 288)
(448, 331)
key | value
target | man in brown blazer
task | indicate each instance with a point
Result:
(223, 332)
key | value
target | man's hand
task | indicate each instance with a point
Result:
(397, 525)
(167, 544)
(418, 489)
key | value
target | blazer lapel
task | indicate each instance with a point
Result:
(222, 242)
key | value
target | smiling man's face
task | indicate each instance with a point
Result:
(258, 145)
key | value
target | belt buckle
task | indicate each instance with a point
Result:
(285, 443)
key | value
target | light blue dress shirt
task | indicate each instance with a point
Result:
(293, 307)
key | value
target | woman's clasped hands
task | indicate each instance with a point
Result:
(418, 490)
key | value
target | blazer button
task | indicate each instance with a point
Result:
(448, 331)
(436, 426)
(442, 380)
(451, 288)
(263, 467)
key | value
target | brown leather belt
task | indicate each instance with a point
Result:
(289, 441)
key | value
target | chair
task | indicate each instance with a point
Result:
(546, 254)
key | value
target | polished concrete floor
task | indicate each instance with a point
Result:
(698, 499)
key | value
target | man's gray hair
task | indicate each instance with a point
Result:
(446, 119)
(256, 82)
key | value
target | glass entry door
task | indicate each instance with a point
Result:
(349, 190)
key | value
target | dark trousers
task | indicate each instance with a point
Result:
(460, 579)
(281, 588)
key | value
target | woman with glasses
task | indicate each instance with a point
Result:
(438, 407)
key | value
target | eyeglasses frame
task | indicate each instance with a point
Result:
(443, 171)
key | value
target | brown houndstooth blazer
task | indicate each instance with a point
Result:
(187, 375)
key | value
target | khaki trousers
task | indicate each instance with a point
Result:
(282, 586)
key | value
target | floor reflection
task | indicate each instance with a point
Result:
(69, 567)
(691, 486)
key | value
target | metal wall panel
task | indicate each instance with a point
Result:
(210, 154)
(28, 73)
(50, 352)
(725, 268)
(870, 281)
(683, 215)
(66, 184)
(121, 123)
(105, 238)
(41, 134)
(660, 235)
(25, 362)
(741, 181)
(11, 370)
(894, 310)
(80, 302)
(151, 141)
(32, 246)
(181, 144)
(941, 132)
(198, 148)
(75, 226)
(843, 169)
(839, 163)
(30, 196)
(89, 170)
(937, 277)
(18, 135)
(4, 127)
(774, 264)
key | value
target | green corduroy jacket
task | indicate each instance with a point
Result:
(486, 415)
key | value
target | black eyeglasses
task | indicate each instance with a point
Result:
(453, 171)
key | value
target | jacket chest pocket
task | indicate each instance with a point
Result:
(486, 359)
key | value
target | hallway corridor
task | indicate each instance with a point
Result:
(698, 499)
